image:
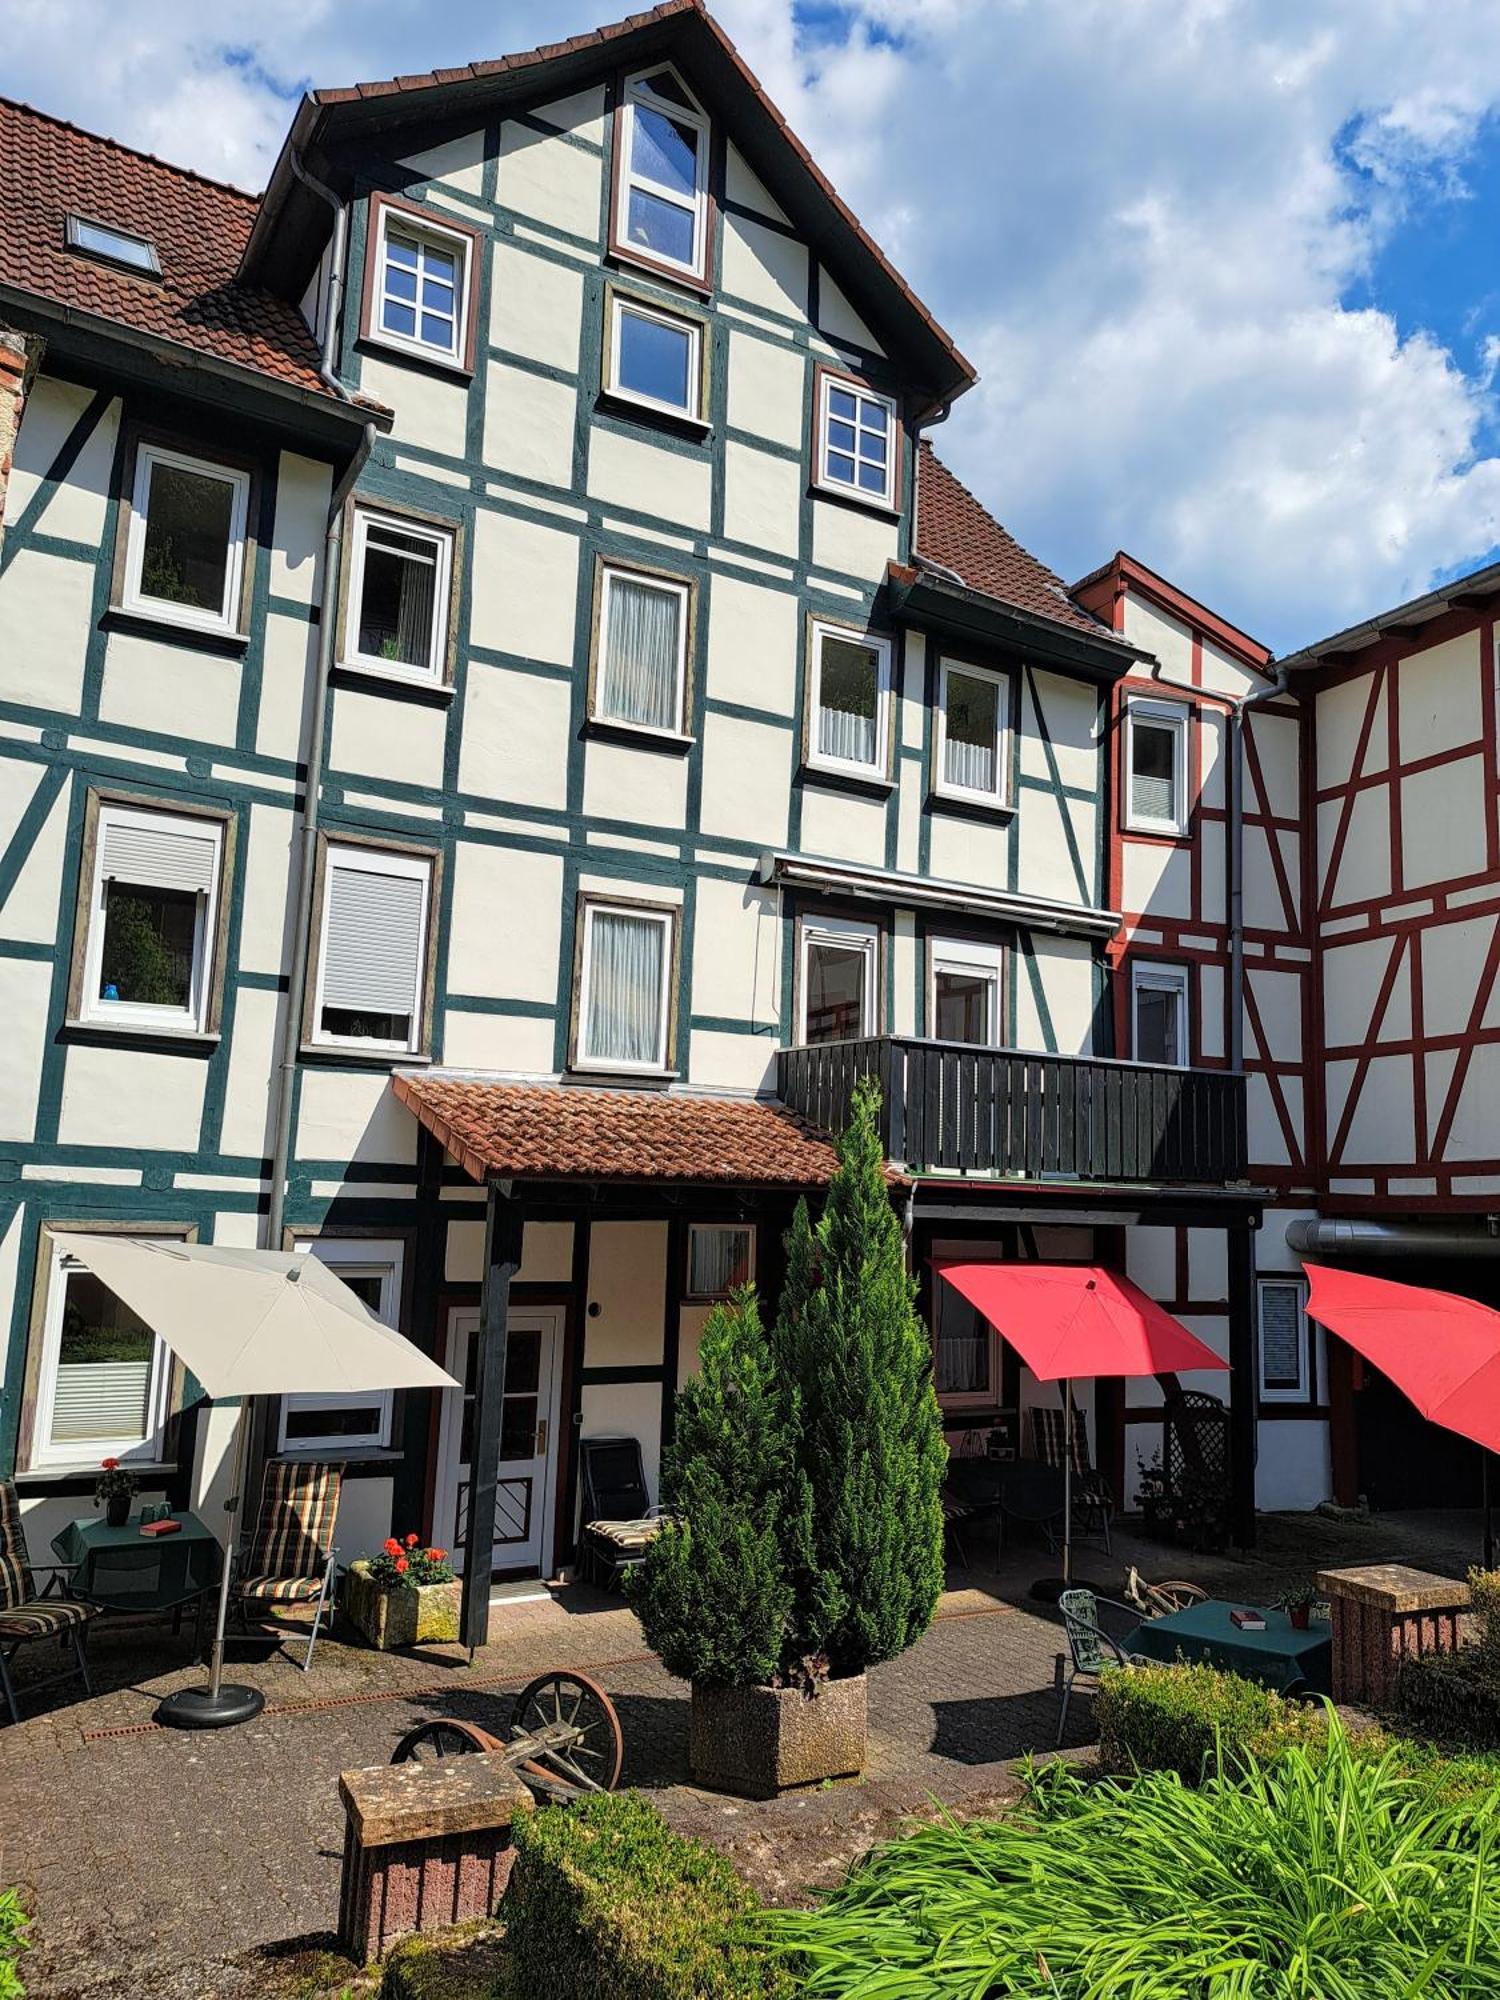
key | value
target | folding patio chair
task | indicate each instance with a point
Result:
(1092, 1500)
(1090, 1648)
(292, 1558)
(619, 1521)
(28, 1614)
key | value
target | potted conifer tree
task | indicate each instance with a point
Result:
(804, 1479)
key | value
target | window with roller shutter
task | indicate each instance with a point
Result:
(372, 950)
(1156, 767)
(152, 915)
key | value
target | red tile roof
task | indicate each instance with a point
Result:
(537, 1131)
(955, 531)
(49, 170)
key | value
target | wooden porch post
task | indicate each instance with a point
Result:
(503, 1222)
(1244, 1390)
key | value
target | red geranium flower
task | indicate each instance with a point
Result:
(411, 1541)
(108, 1464)
(401, 1565)
(392, 1546)
(437, 1555)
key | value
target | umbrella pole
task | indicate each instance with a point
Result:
(217, 1706)
(1489, 1527)
(231, 1540)
(1067, 1480)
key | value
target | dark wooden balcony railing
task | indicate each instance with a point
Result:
(947, 1106)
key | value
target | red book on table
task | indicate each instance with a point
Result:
(162, 1528)
(1248, 1621)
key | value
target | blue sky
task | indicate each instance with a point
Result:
(1230, 268)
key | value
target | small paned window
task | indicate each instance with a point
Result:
(850, 701)
(1159, 1000)
(972, 733)
(966, 992)
(642, 651)
(420, 297)
(109, 245)
(398, 596)
(624, 994)
(153, 914)
(721, 1257)
(372, 959)
(857, 441)
(662, 191)
(1156, 767)
(1285, 1349)
(839, 963)
(655, 358)
(185, 550)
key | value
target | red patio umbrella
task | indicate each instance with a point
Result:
(1441, 1351)
(1066, 1320)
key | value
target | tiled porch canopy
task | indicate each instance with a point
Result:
(536, 1131)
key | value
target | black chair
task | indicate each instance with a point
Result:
(619, 1521)
(28, 1614)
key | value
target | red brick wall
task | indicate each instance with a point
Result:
(19, 354)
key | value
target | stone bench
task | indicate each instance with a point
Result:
(425, 1846)
(1382, 1614)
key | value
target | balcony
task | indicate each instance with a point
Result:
(947, 1107)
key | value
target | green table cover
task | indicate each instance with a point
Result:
(121, 1569)
(1279, 1656)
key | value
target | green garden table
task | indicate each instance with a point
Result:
(1280, 1657)
(120, 1569)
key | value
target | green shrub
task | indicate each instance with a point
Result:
(1323, 1876)
(13, 1928)
(469, 1963)
(608, 1903)
(1452, 1697)
(1182, 1718)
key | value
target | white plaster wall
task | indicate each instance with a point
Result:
(46, 610)
(134, 1097)
(303, 487)
(966, 850)
(381, 738)
(457, 162)
(736, 959)
(767, 389)
(288, 656)
(762, 499)
(536, 306)
(1293, 1466)
(25, 989)
(1365, 864)
(636, 786)
(177, 690)
(1440, 697)
(746, 780)
(430, 410)
(265, 860)
(348, 1115)
(852, 540)
(550, 181)
(1443, 815)
(514, 739)
(252, 1059)
(627, 1281)
(843, 826)
(763, 267)
(30, 912)
(518, 1044)
(1066, 968)
(630, 472)
(525, 588)
(1167, 637)
(626, 1409)
(739, 1062)
(582, 114)
(1340, 713)
(505, 937)
(528, 424)
(1069, 710)
(1158, 878)
(752, 648)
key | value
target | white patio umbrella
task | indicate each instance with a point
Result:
(250, 1323)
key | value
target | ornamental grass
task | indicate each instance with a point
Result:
(1321, 1876)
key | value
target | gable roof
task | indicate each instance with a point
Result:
(959, 534)
(1474, 592)
(291, 215)
(50, 170)
(1127, 572)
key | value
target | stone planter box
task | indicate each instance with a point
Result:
(407, 1616)
(759, 1741)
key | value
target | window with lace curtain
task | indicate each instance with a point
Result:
(624, 986)
(640, 674)
(973, 733)
(396, 616)
(849, 708)
(721, 1256)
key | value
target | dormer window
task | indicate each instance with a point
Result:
(109, 245)
(661, 189)
(420, 289)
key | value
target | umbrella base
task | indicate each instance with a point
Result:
(1047, 1589)
(199, 1708)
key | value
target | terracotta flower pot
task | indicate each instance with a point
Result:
(408, 1615)
(758, 1741)
(1301, 1617)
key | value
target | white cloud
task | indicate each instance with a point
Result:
(1140, 218)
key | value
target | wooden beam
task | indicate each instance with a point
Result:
(503, 1223)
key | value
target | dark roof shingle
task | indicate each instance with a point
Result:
(49, 170)
(956, 532)
(538, 1131)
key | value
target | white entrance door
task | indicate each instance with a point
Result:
(528, 1438)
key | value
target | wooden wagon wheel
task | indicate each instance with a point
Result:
(431, 1741)
(592, 1756)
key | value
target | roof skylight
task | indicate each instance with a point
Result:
(113, 246)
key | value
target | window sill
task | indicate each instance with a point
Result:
(678, 422)
(132, 1035)
(849, 496)
(404, 687)
(335, 1452)
(335, 1053)
(1178, 835)
(162, 625)
(673, 274)
(962, 806)
(872, 784)
(371, 342)
(144, 1471)
(641, 735)
(621, 1079)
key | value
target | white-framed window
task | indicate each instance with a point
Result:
(839, 978)
(661, 190)
(849, 701)
(104, 1378)
(966, 997)
(963, 1348)
(1159, 1014)
(720, 1257)
(1156, 737)
(856, 441)
(152, 917)
(641, 672)
(973, 733)
(1285, 1346)
(655, 358)
(185, 548)
(372, 1270)
(400, 574)
(372, 950)
(419, 300)
(624, 996)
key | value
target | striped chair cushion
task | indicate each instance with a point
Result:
(626, 1534)
(16, 1585)
(280, 1589)
(44, 1618)
(299, 1505)
(1047, 1429)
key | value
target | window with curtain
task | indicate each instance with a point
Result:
(961, 1364)
(838, 982)
(642, 651)
(1160, 1007)
(185, 549)
(1157, 758)
(152, 919)
(1285, 1373)
(399, 595)
(662, 198)
(624, 1001)
(972, 724)
(966, 992)
(721, 1256)
(372, 963)
(850, 679)
(104, 1374)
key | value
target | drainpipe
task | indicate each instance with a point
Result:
(1363, 1236)
(291, 1039)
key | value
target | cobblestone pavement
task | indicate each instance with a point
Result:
(181, 1866)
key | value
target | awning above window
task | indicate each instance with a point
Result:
(1071, 1320)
